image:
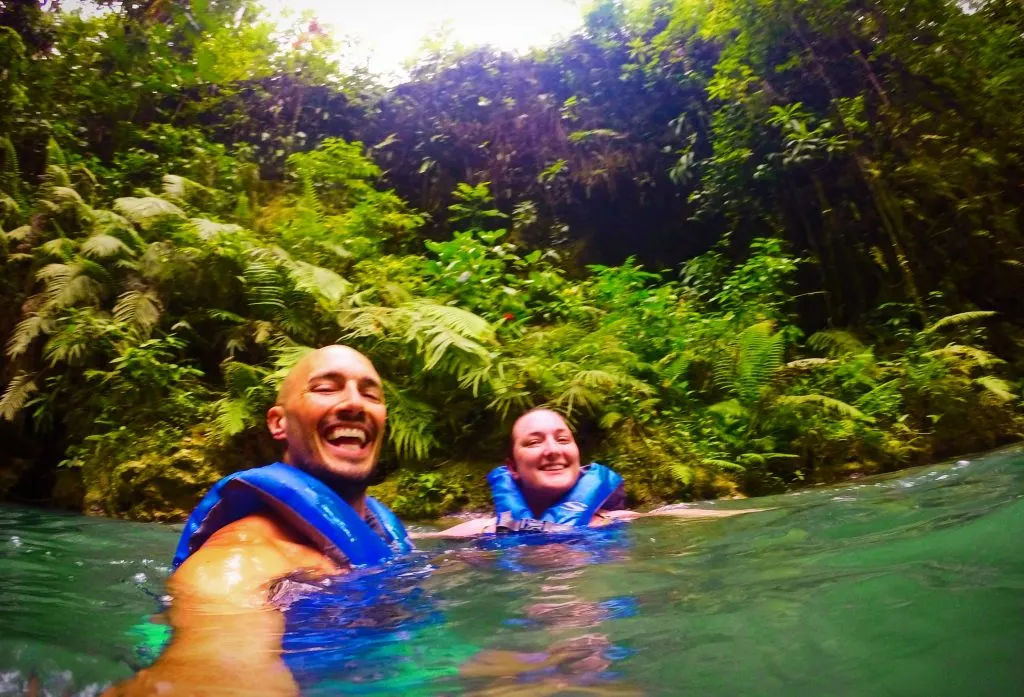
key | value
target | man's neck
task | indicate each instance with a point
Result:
(352, 493)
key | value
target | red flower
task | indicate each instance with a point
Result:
(508, 316)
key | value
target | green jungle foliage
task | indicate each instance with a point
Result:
(742, 245)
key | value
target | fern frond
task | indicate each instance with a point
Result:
(810, 363)
(264, 284)
(241, 378)
(68, 343)
(319, 282)
(825, 403)
(146, 211)
(59, 247)
(759, 356)
(65, 196)
(232, 415)
(19, 389)
(410, 424)
(958, 320)
(102, 245)
(54, 177)
(25, 333)
(208, 229)
(437, 330)
(722, 464)
(970, 354)
(835, 342)
(20, 234)
(139, 308)
(685, 474)
(998, 387)
(71, 284)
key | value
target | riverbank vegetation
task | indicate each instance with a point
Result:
(743, 245)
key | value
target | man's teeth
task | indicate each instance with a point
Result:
(347, 432)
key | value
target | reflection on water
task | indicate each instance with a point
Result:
(905, 585)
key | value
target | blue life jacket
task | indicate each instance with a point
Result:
(592, 489)
(302, 501)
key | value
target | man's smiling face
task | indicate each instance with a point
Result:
(331, 413)
(545, 458)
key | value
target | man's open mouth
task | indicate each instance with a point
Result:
(346, 437)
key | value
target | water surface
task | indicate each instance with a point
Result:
(906, 585)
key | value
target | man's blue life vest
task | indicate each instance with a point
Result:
(302, 501)
(592, 489)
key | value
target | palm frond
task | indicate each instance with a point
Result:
(19, 389)
(958, 320)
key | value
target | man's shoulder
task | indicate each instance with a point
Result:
(241, 558)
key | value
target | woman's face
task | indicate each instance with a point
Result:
(545, 458)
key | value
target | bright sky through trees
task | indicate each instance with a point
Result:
(388, 32)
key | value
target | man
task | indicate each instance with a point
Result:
(330, 414)
(544, 468)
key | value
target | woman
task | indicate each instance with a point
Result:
(543, 487)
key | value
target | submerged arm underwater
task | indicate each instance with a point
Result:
(226, 633)
(484, 526)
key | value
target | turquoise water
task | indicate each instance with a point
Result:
(908, 585)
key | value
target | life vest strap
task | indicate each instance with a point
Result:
(594, 486)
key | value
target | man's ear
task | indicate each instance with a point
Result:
(277, 424)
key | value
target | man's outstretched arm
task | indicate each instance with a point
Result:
(226, 636)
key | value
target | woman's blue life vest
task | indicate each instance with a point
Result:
(593, 488)
(304, 502)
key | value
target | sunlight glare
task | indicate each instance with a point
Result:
(385, 34)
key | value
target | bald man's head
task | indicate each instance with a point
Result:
(330, 413)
